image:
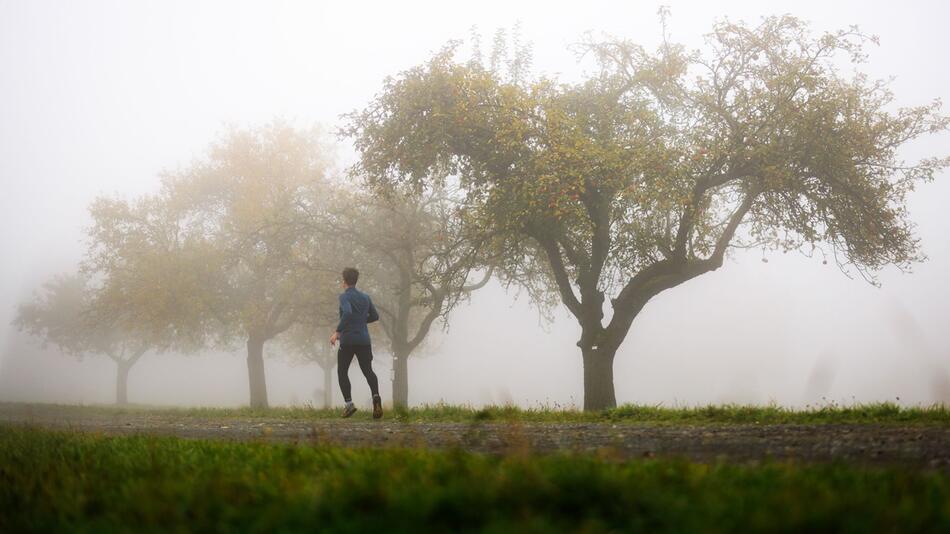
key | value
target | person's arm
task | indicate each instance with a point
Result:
(373, 316)
(346, 313)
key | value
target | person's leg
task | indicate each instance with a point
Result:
(364, 355)
(344, 357)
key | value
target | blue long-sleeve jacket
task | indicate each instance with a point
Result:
(356, 311)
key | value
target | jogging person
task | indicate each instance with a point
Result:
(356, 310)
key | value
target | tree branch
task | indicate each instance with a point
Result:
(666, 274)
(560, 276)
(434, 312)
(480, 284)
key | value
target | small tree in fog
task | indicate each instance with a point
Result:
(615, 189)
(307, 343)
(416, 259)
(63, 314)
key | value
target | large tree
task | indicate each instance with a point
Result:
(242, 204)
(418, 261)
(610, 191)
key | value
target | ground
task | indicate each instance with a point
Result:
(924, 446)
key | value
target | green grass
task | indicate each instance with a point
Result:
(880, 413)
(81, 482)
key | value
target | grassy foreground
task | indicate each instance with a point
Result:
(81, 482)
(879, 413)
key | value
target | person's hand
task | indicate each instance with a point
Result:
(334, 338)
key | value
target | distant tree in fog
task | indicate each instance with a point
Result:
(63, 313)
(642, 177)
(416, 259)
(306, 342)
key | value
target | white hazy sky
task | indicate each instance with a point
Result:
(97, 97)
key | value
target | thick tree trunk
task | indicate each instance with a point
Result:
(122, 382)
(327, 387)
(598, 379)
(400, 379)
(255, 372)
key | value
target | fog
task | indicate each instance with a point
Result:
(98, 97)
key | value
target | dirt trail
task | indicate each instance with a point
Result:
(919, 446)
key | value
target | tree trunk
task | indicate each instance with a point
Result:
(598, 379)
(327, 387)
(255, 371)
(122, 382)
(400, 379)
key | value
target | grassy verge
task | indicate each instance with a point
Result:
(80, 482)
(880, 413)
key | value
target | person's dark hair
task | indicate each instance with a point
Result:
(350, 276)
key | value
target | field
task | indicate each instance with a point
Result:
(871, 468)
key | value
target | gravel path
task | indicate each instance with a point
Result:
(918, 446)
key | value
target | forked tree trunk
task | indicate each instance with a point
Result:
(598, 379)
(122, 382)
(255, 372)
(400, 379)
